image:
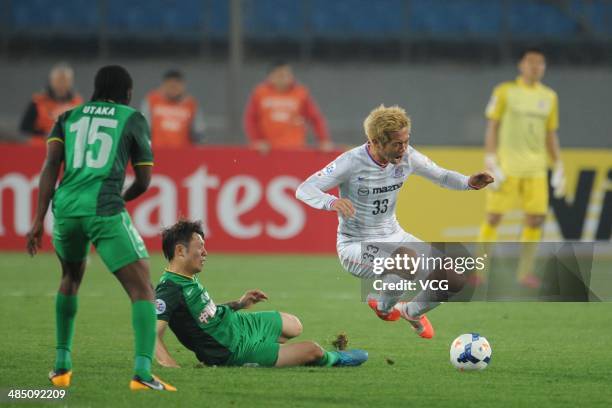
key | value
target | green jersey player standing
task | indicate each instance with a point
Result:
(94, 142)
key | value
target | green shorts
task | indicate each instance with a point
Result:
(259, 343)
(113, 236)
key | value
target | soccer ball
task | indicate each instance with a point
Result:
(470, 352)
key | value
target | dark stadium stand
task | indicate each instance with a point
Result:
(338, 19)
(72, 16)
(574, 31)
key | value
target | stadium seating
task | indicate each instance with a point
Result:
(440, 18)
(542, 19)
(45, 15)
(598, 13)
(324, 19)
(160, 17)
(266, 19)
(357, 19)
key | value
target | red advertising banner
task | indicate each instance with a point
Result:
(246, 200)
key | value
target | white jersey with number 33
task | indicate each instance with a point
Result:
(372, 188)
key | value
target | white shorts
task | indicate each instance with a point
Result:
(360, 263)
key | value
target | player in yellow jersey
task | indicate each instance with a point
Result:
(521, 135)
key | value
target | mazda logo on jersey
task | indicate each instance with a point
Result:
(363, 191)
(386, 189)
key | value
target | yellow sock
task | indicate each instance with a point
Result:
(530, 237)
(488, 233)
(531, 234)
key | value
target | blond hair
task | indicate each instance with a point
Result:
(383, 121)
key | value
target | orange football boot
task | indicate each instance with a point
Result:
(138, 384)
(390, 316)
(60, 378)
(421, 325)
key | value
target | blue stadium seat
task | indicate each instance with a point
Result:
(598, 13)
(439, 18)
(71, 16)
(360, 19)
(327, 19)
(536, 18)
(216, 19)
(155, 16)
(135, 15)
(186, 15)
(273, 19)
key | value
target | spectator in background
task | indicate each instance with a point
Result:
(173, 114)
(277, 112)
(47, 105)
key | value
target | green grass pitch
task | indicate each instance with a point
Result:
(544, 354)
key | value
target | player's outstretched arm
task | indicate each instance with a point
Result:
(480, 180)
(162, 355)
(425, 167)
(46, 189)
(313, 190)
(247, 300)
(141, 155)
(140, 184)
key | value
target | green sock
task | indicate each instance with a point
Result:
(65, 311)
(329, 359)
(143, 321)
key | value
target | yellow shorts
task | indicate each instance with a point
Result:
(528, 193)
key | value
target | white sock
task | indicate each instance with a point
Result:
(388, 298)
(421, 304)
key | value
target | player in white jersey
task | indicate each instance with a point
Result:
(369, 178)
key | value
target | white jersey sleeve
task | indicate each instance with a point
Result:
(425, 167)
(313, 190)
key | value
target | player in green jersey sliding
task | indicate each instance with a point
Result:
(219, 334)
(94, 142)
